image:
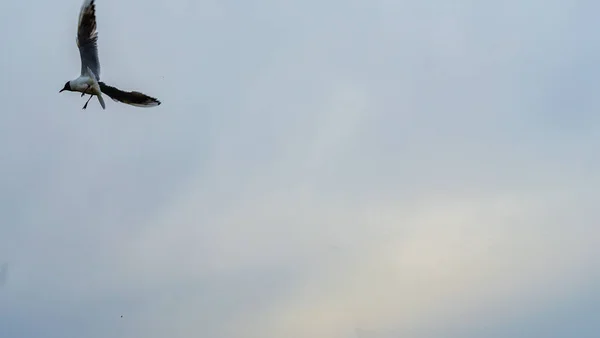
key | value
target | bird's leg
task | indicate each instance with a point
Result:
(86, 102)
(85, 91)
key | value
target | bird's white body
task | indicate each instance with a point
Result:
(85, 84)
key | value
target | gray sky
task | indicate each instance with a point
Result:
(317, 169)
(3, 273)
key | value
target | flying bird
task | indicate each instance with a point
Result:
(89, 80)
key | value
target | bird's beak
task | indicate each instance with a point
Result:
(60, 91)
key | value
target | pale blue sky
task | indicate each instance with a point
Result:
(407, 168)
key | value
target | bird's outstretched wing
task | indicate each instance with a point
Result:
(133, 98)
(87, 39)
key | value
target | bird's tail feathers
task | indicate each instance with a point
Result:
(101, 100)
(132, 98)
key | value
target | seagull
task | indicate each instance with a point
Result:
(89, 80)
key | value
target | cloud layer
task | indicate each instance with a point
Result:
(317, 169)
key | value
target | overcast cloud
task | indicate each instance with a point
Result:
(335, 169)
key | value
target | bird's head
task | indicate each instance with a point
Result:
(66, 87)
